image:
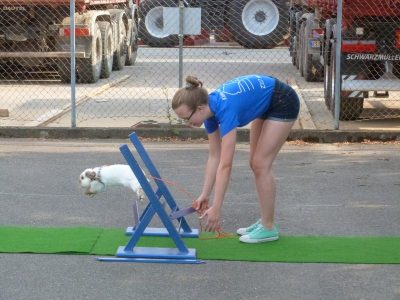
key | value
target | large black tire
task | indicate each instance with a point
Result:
(64, 69)
(89, 69)
(259, 23)
(300, 51)
(375, 70)
(332, 74)
(312, 69)
(3, 68)
(107, 44)
(396, 69)
(131, 52)
(327, 85)
(327, 54)
(151, 23)
(296, 40)
(292, 31)
(294, 52)
(121, 49)
(350, 108)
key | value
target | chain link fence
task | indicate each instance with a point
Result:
(128, 66)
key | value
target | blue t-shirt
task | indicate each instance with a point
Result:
(238, 102)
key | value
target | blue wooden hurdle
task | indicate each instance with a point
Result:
(133, 253)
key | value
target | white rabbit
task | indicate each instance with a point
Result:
(96, 180)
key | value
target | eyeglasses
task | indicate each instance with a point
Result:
(191, 115)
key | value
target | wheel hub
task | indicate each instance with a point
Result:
(159, 23)
(154, 22)
(260, 16)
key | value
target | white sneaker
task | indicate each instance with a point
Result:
(247, 230)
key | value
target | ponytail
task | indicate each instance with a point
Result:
(193, 94)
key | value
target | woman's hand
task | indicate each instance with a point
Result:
(213, 219)
(200, 203)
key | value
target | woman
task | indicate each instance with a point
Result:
(272, 108)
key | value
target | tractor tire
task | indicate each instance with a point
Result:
(259, 23)
(327, 54)
(121, 49)
(312, 69)
(327, 85)
(350, 108)
(292, 31)
(296, 39)
(89, 69)
(107, 44)
(132, 50)
(151, 23)
(294, 58)
(64, 69)
(300, 51)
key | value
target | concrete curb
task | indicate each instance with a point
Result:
(184, 133)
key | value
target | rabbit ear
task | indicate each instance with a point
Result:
(91, 174)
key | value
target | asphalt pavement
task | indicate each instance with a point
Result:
(323, 189)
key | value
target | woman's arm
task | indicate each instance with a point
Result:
(224, 168)
(214, 153)
(221, 181)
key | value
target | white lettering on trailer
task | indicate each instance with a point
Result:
(13, 8)
(368, 56)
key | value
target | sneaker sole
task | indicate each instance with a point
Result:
(241, 232)
(256, 241)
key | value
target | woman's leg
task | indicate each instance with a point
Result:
(270, 139)
(255, 131)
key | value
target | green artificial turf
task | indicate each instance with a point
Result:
(291, 249)
(48, 239)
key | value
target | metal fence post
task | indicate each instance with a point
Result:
(73, 79)
(338, 75)
(181, 8)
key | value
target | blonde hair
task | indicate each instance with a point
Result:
(193, 94)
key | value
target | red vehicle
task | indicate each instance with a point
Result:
(370, 50)
(36, 34)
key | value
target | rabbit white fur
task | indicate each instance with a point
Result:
(96, 180)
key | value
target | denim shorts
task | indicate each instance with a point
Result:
(285, 104)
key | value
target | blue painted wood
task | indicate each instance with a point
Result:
(155, 205)
(151, 231)
(154, 172)
(156, 252)
(151, 260)
(131, 252)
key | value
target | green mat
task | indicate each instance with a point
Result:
(293, 249)
(48, 240)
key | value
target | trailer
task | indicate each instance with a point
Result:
(255, 23)
(370, 50)
(36, 34)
